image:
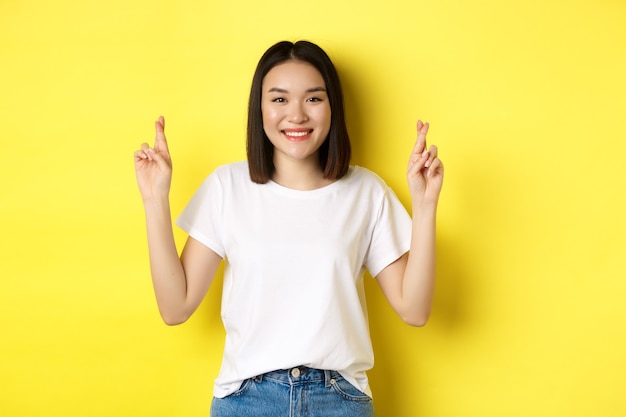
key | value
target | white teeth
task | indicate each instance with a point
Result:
(297, 133)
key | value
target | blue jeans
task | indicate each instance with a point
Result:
(296, 392)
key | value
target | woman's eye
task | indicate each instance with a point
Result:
(278, 100)
(314, 99)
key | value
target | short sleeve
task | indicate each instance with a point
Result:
(201, 218)
(391, 235)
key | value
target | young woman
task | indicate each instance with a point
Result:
(297, 227)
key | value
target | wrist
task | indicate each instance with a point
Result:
(156, 203)
(422, 208)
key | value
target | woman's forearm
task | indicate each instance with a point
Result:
(168, 275)
(418, 284)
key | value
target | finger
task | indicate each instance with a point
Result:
(420, 143)
(140, 155)
(422, 131)
(162, 162)
(146, 152)
(432, 154)
(436, 167)
(417, 163)
(160, 143)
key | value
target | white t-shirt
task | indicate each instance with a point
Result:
(293, 279)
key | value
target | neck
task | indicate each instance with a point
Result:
(300, 175)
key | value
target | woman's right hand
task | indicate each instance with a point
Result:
(153, 166)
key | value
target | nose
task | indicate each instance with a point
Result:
(297, 113)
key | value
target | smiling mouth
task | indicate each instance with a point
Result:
(297, 134)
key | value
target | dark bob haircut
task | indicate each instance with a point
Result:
(335, 152)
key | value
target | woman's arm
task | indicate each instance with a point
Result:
(409, 282)
(179, 283)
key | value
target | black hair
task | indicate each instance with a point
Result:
(335, 152)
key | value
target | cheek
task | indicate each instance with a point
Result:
(270, 123)
(268, 116)
(325, 117)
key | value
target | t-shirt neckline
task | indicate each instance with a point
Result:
(315, 192)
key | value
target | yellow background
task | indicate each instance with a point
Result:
(527, 102)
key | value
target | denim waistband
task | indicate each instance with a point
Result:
(301, 374)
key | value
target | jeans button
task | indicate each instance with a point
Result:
(295, 372)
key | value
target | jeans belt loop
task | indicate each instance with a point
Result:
(327, 377)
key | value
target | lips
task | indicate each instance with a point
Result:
(296, 135)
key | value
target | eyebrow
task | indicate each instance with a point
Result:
(283, 91)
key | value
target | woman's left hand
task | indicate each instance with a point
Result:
(425, 170)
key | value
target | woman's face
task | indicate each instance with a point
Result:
(296, 111)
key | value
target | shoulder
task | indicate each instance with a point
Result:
(235, 169)
(365, 177)
(226, 176)
(369, 184)
(233, 173)
(364, 185)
